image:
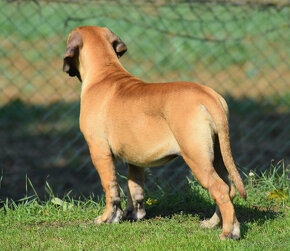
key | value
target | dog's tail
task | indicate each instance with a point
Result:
(217, 112)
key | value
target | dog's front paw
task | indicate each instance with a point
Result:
(134, 214)
(99, 220)
(113, 217)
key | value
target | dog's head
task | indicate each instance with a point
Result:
(76, 40)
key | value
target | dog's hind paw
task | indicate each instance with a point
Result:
(229, 236)
(235, 234)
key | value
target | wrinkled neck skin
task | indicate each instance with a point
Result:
(97, 62)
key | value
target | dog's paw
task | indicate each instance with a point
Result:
(117, 216)
(235, 234)
(229, 236)
(99, 220)
(114, 217)
(134, 214)
(209, 224)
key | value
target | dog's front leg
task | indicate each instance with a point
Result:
(135, 205)
(106, 169)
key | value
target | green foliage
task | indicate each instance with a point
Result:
(280, 195)
(272, 186)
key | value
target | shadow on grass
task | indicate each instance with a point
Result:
(196, 202)
(43, 142)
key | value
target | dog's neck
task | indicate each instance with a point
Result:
(97, 64)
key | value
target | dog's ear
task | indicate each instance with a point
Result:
(119, 46)
(71, 55)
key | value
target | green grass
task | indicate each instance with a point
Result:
(171, 223)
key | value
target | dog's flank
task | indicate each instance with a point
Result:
(147, 125)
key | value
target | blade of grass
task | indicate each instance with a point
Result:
(31, 185)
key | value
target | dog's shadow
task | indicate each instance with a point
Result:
(170, 204)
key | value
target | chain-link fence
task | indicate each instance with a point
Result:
(241, 49)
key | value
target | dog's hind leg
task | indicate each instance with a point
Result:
(135, 195)
(220, 192)
(196, 145)
(216, 219)
(106, 169)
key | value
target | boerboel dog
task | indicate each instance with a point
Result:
(147, 125)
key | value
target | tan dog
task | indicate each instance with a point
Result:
(147, 125)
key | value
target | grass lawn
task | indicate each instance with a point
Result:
(172, 220)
